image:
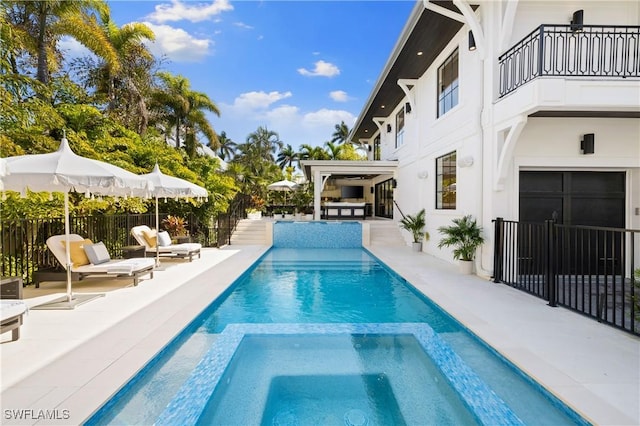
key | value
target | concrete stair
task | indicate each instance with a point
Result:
(250, 232)
(385, 233)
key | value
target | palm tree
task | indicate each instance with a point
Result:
(226, 147)
(45, 21)
(184, 107)
(124, 85)
(308, 152)
(340, 134)
(265, 142)
(287, 157)
(333, 150)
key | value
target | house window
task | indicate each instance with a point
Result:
(446, 181)
(400, 128)
(376, 148)
(448, 84)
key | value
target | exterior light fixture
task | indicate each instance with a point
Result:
(466, 161)
(388, 128)
(407, 108)
(394, 183)
(577, 21)
(588, 143)
(472, 41)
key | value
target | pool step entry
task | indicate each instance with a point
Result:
(250, 232)
(385, 233)
(318, 265)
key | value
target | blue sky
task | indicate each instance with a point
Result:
(296, 67)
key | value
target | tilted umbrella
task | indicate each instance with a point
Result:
(283, 185)
(165, 186)
(64, 171)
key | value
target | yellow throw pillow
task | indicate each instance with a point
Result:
(77, 253)
(150, 237)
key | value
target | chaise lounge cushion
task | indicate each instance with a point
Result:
(97, 253)
(164, 239)
(150, 236)
(11, 308)
(131, 267)
(76, 251)
(176, 250)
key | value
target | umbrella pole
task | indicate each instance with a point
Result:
(157, 232)
(68, 248)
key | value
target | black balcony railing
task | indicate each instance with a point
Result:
(608, 51)
(584, 268)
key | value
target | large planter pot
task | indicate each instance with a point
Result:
(416, 246)
(466, 267)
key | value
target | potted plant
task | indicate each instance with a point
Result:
(465, 236)
(301, 199)
(176, 226)
(415, 224)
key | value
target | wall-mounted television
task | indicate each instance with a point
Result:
(352, 192)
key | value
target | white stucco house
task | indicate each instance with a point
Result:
(523, 110)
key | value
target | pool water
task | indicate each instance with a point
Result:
(312, 286)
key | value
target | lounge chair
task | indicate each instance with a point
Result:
(148, 238)
(84, 251)
(11, 307)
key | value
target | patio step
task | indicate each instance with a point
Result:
(385, 233)
(250, 232)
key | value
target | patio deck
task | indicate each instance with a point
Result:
(72, 361)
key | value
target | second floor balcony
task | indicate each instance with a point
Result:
(591, 51)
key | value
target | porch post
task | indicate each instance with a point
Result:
(317, 191)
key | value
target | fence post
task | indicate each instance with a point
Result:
(498, 249)
(549, 273)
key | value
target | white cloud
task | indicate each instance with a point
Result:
(339, 96)
(252, 101)
(177, 44)
(73, 48)
(243, 25)
(194, 12)
(295, 127)
(325, 117)
(322, 69)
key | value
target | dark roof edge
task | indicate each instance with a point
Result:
(395, 53)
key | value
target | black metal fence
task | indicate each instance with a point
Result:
(23, 248)
(584, 268)
(558, 50)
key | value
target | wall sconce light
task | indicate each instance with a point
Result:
(577, 21)
(368, 147)
(423, 174)
(372, 190)
(588, 143)
(466, 161)
(407, 108)
(388, 128)
(472, 41)
(394, 183)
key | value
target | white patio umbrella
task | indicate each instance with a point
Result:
(64, 171)
(283, 185)
(165, 186)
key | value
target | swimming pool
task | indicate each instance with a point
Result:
(319, 286)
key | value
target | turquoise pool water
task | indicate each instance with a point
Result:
(319, 286)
